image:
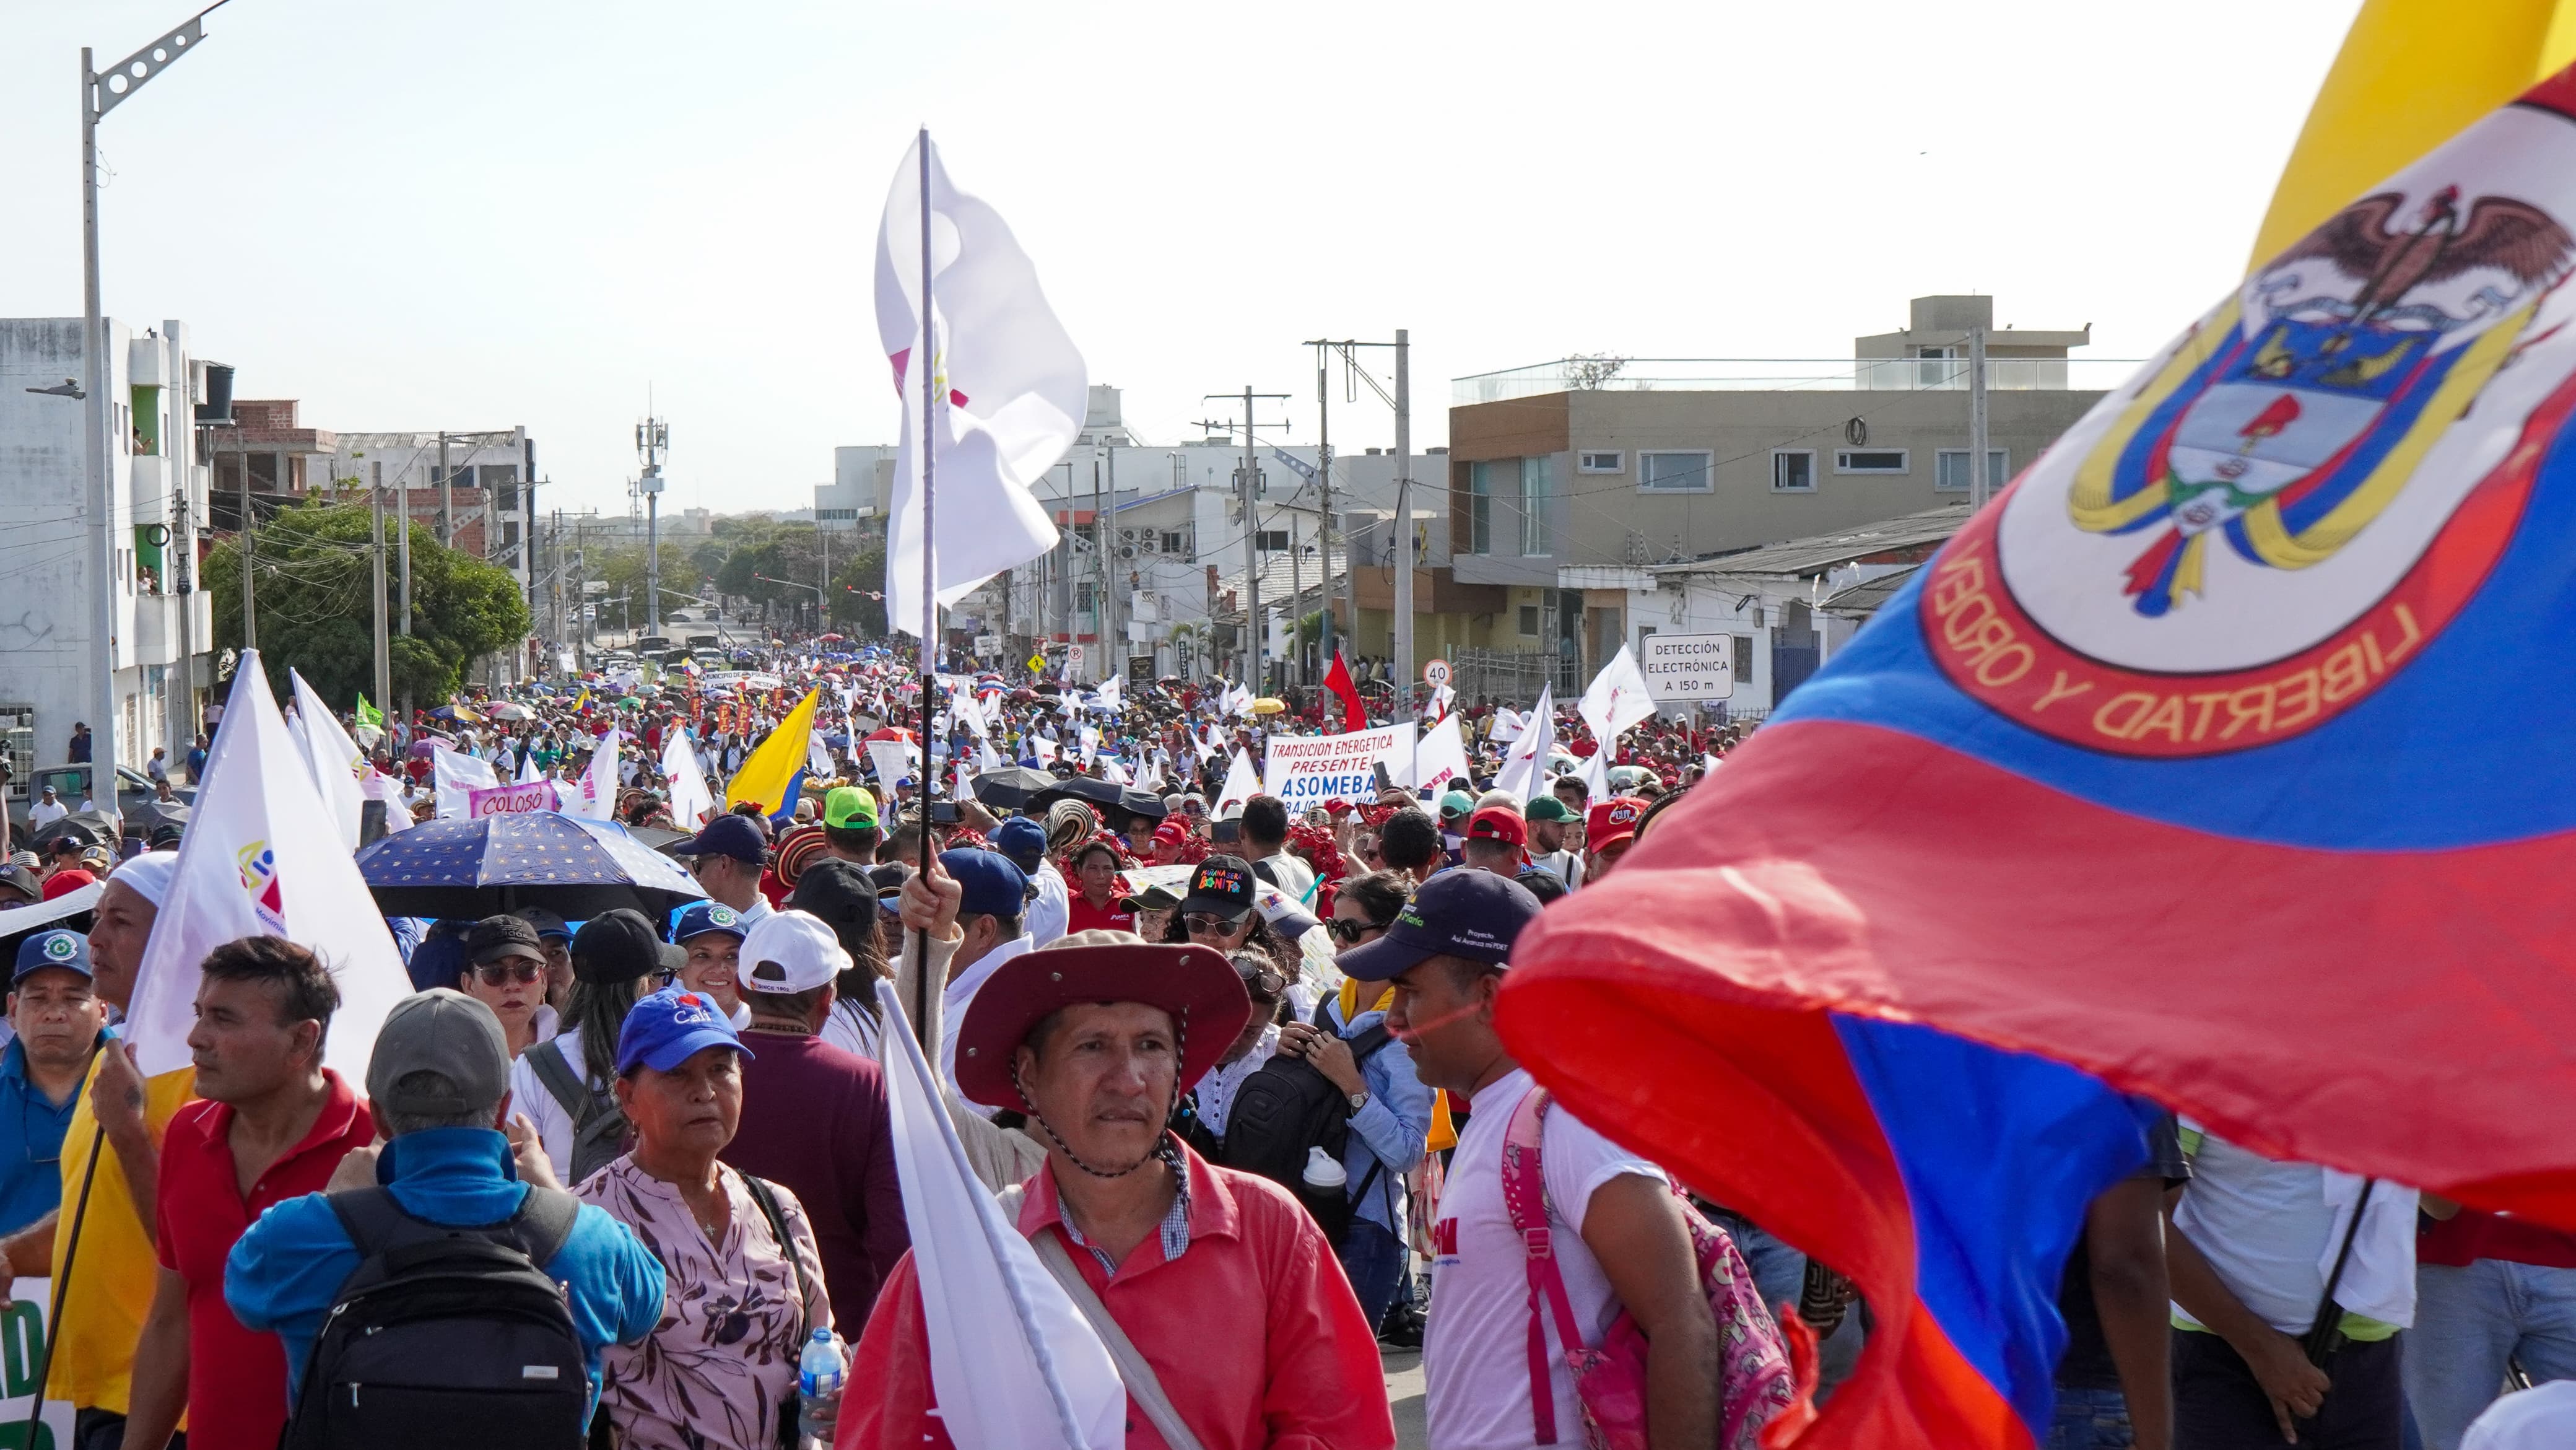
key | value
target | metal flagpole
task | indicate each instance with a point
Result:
(925, 365)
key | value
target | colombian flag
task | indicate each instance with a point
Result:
(775, 771)
(2280, 833)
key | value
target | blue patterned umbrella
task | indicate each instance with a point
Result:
(570, 865)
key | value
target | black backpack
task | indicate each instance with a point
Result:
(599, 1132)
(446, 1336)
(1287, 1107)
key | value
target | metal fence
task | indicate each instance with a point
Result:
(1510, 677)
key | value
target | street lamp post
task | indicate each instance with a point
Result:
(101, 94)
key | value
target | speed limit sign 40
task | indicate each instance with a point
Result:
(1436, 673)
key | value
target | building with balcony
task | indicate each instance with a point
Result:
(1569, 481)
(160, 630)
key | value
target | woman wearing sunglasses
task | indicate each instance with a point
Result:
(1217, 911)
(505, 969)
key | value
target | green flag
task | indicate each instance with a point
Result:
(369, 714)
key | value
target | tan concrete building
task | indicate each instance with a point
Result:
(1568, 480)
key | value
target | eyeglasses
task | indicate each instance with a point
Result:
(1266, 985)
(1200, 923)
(513, 969)
(1348, 933)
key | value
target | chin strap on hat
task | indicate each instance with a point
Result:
(1166, 1147)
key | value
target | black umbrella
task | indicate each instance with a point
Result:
(1118, 806)
(91, 828)
(575, 867)
(1143, 803)
(1011, 788)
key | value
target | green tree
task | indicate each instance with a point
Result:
(622, 565)
(852, 585)
(314, 593)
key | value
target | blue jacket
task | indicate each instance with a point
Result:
(286, 1269)
(1390, 1133)
(31, 1143)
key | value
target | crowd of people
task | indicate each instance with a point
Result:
(1231, 1067)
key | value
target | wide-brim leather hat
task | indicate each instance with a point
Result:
(1195, 984)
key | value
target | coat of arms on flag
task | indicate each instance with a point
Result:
(2287, 506)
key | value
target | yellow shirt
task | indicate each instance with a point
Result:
(111, 1286)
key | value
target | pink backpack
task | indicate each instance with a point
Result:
(1754, 1379)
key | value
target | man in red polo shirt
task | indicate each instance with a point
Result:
(272, 1124)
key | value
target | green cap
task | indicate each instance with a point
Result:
(850, 808)
(1457, 803)
(1548, 808)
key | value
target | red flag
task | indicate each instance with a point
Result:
(1338, 680)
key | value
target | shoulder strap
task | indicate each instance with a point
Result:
(543, 1223)
(546, 1059)
(1133, 1371)
(369, 1216)
(762, 1195)
(1525, 1196)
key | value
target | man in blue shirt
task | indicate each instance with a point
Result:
(440, 1068)
(56, 1012)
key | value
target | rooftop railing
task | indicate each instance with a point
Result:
(1818, 375)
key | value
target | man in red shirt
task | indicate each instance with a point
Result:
(1222, 1281)
(271, 1124)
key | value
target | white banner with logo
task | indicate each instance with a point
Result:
(22, 1349)
(1308, 770)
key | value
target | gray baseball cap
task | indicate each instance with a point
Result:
(447, 1032)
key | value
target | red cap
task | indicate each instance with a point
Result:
(1612, 821)
(1499, 823)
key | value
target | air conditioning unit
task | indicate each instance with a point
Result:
(1126, 551)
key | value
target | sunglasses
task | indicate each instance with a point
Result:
(1265, 985)
(515, 969)
(1348, 932)
(1200, 923)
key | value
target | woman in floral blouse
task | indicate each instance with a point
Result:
(720, 1368)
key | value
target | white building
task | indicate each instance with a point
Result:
(161, 630)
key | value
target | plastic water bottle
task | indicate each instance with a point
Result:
(819, 1373)
(1323, 1174)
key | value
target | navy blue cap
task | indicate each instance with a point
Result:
(1021, 839)
(671, 1026)
(57, 948)
(1462, 913)
(995, 885)
(727, 835)
(701, 917)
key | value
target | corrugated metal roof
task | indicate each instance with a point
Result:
(1276, 578)
(1816, 555)
(1863, 600)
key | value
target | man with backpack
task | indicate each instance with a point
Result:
(452, 1302)
(1540, 1210)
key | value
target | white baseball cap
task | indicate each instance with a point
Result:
(791, 951)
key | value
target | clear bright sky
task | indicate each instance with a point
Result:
(479, 213)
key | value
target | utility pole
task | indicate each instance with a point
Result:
(1324, 480)
(1404, 523)
(384, 654)
(652, 438)
(1099, 575)
(1980, 487)
(249, 520)
(1248, 482)
(1112, 634)
(446, 498)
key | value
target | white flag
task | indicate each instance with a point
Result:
(1113, 772)
(262, 857)
(691, 801)
(331, 756)
(965, 781)
(1013, 1365)
(893, 759)
(454, 774)
(818, 760)
(528, 772)
(1526, 763)
(599, 782)
(985, 759)
(1007, 385)
(1616, 699)
(1442, 757)
(1596, 775)
(1241, 784)
(1111, 695)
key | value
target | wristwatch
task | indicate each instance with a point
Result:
(1359, 1100)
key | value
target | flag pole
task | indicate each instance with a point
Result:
(926, 366)
(71, 1256)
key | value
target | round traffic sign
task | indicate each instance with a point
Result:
(1436, 673)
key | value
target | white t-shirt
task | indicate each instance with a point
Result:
(45, 812)
(528, 1095)
(1294, 878)
(851, 1029)
(1566, 864)
(1475, 1350)
(1052, 911)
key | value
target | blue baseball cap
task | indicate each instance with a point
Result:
(995, 885)
(1021, 839)
(670, 1027)
(1463, 913)
(57, 948)
(700, 917)
(727, 835)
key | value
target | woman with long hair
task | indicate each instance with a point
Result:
(563, 1083)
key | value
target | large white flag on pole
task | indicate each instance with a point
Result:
(691, 801)
(331, 756)
(1007, 390)
(262, 857)
(1616, 699)
(1527, 759)
(1442, 757)
(1013, 1365)
(455, 774)
(1242, 783)
(599, 782)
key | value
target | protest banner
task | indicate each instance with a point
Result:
(1308, 770)
(22, 1351)
(511, 799)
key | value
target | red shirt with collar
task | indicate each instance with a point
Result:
(237, 1379)
(1252, 1330)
